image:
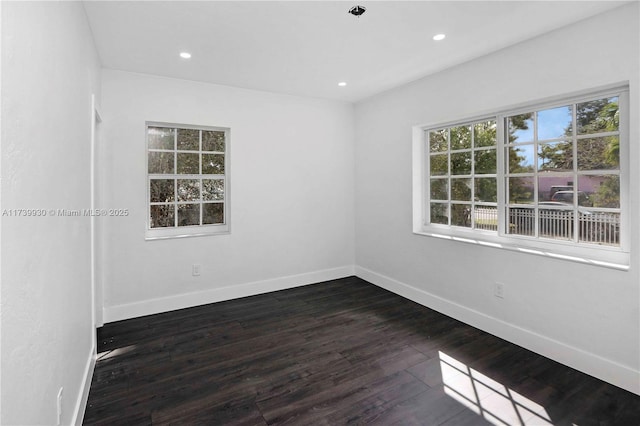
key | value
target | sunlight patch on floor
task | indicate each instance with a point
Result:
(115, 352)
(488, 398)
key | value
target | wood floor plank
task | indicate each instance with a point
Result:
(469, 418)
(239, 409)
(367, 410)
(432, 407)
(338, 352)
(327, 404)
(303, 395)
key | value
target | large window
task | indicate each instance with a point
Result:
(187, 180)
(548, 173)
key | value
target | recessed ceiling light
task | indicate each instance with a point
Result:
(185, 55)
(342, 83)
(439, 37)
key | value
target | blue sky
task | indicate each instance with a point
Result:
(552, 124)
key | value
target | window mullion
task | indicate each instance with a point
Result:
(536, 193)
(201, 204)
(574, 145)
(624, 167)
(449, 182)
(501, 147)
(426, 172)
(175, 177)
(473, 179)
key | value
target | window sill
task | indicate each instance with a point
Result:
(185, 232)
(612, 258)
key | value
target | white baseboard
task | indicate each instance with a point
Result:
(180, 301)
(83, 396)
(594, 365)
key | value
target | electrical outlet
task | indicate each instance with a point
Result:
(498, 290)
(195, 270)
(59, 407)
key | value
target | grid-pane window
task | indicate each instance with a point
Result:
(187, 180)
(563, 172)
(463, 175)
(551, 173)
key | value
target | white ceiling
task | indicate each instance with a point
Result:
(307, 47)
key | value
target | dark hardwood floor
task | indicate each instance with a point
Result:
(338, 352)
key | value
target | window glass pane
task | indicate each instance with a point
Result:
(461, 215)
(486, 190)
(520, 127)
(440, 213)
(485, 133)
(212, 213)
(161, 162)
(550, 184)
(563, 197)
(602, 190)
(601, 115)
(599, 153)
(212, 189)
(160, 138)
(189, 139)
(556, 223)
(188, 190)
(461, 163)
(461, 137)
(584, 199)
(556, 156)
(162, 190)
(486, 218)
(188, 214)
(485, 161)
(213, 141)
(521, 221)
(461, 189)
(554, 123)
(521, 159)
(439, 164)
(162, 216)
(521, 190)
(212, 164)
(599, 228)
(439, 189)
(438, 140)
(188, 164)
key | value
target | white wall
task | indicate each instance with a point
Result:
(585, 316)
(49, 71)
(291, 182)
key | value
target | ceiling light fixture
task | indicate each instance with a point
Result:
(342, 83)
(357, 10)
(185, 55)
(439, 37)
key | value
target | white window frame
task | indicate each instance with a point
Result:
(191, 230)
(616, 257)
